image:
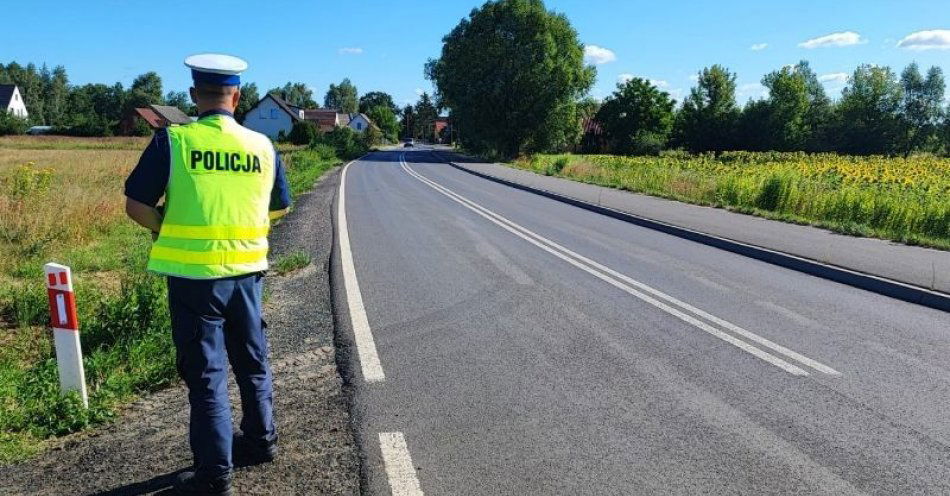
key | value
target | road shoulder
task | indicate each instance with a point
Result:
(143, 450)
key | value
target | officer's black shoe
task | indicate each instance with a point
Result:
(189, 484)
(251, 451)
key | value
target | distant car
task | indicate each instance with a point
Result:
(409, 143)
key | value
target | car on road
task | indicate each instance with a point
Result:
(409, 143)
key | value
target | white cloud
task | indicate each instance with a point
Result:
(694, 77)
(598, 55)
(935, 39)
(834, 78)
(419, 91)
(758, 46)
(659, 83)
(623, 78)
(351, 51)
(844, 38)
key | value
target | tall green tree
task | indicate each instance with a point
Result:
(637, 118)
(819, 116)
(425, 113)
(506, 71)
(707, 120)
(181, 100)
(55, 95)
(375, 99)
(385, 120)
(342, 96)
(249, 97)
(921, 107)
(297, 94)
(407, 119)
(787, 105)
(868, 116)
(146, 90)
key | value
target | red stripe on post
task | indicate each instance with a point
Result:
(52, 279)
(62, 278)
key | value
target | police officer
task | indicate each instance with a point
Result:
(222, 184)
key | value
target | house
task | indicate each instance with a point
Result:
(358, 122)
(155, 116)
(327, 119)
(271, 115)
(12, 101)
(324, 119)
(442, 128)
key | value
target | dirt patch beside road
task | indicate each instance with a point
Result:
(143, 450)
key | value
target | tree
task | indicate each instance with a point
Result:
(868, 114)
(709, 115)
(787, 106)
(921, 107)
(506, 71)
(146, 90)
(587, 107)
(249, 97)
(425, 113)
(637, 118)
(297, 94)
(375, 99)
(342, 96)
(94, 110)
(302, 133)
(384, 118)
(819, 116)
(181, 100)
(408, 120)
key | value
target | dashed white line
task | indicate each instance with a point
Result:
(399, 467)
(631, 286)
(362, 334)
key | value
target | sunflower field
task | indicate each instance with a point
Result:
(906, 200)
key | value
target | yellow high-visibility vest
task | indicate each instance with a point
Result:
(216, 203)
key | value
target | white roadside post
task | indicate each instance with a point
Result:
(63, 320)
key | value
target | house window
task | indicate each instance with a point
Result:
(359, 126)
(263, 113)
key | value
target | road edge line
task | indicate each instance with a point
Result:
(362, 334)
(868, 282)
(400, 470)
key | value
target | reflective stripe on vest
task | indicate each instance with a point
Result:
(214, 232)
(216, 203)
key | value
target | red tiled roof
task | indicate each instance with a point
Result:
(149, 116)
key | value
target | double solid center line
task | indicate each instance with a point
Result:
(790, 361)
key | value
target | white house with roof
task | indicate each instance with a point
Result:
(359, 122)
(271, 115)
(11, 100)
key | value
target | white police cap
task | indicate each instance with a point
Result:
(216, 68)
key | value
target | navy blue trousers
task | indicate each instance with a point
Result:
(215, 322)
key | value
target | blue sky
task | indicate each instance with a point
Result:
(382, 45)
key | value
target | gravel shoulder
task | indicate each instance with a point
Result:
(143, 450)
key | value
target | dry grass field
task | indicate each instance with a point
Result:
(61, 200)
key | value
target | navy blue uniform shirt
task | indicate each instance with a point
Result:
(147, 182)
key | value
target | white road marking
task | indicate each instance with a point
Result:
(365, 345)
(399, 467)
(628, 285)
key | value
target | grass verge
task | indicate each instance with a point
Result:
(123, 313)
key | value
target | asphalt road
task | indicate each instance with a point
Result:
(505, 343)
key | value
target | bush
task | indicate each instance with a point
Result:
(302, 133)
(11, 124)
(347, 143)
